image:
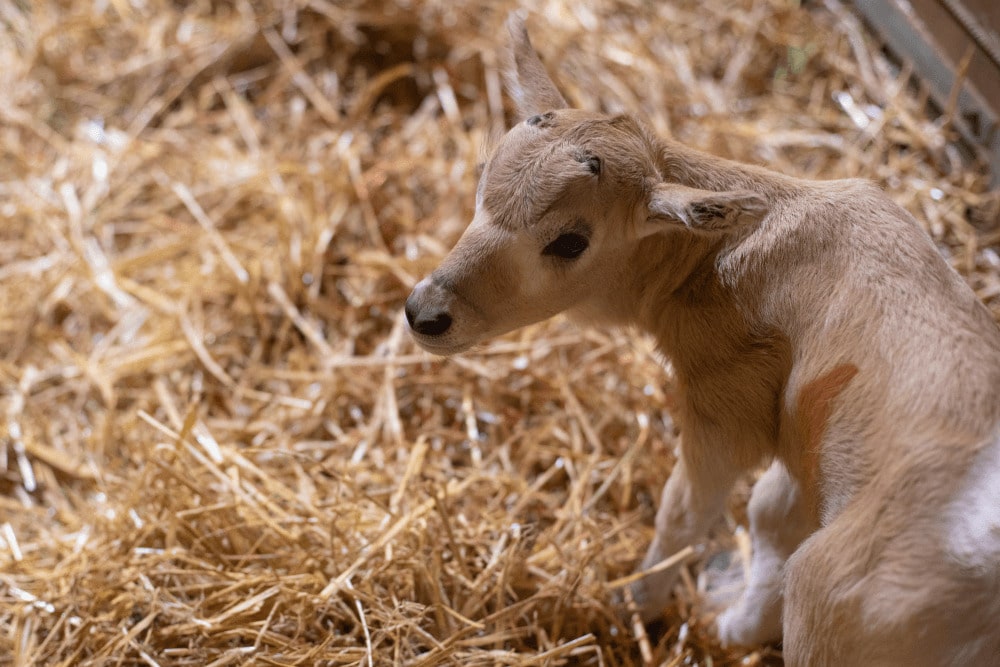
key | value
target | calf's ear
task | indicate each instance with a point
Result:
(527, 82)
(703, 211)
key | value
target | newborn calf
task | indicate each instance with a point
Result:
(811, 324)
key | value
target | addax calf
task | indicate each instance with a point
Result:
(811, 324)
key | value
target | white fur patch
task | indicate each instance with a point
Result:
(974, 536)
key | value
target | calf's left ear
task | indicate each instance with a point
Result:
(527, 81)
(704, 211)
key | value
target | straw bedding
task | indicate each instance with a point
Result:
(219, 445)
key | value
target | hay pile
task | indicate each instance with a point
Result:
(219, 445)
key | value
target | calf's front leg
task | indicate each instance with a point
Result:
(692, 501)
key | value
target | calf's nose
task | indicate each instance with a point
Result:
(435, 325)
(426, 321)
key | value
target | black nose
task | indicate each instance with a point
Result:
(427, 324)
(433, 326)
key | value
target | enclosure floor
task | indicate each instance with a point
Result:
(218, 444)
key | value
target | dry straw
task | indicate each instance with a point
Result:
(219, 445)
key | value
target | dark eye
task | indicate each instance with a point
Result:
(567, 246)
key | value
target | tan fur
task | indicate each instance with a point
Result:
(811, 324)
(816, 401)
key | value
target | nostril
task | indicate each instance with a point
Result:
(433, 326)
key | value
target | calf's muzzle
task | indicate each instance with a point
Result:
(426, 310)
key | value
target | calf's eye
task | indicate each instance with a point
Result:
(567, 246)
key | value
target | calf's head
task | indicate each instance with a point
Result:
(561, 207)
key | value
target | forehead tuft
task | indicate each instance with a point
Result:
(525, 176)
(539, 160)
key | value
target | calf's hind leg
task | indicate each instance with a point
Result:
(868, 590)
(779, 522)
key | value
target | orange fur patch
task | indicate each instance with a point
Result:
(815, 404)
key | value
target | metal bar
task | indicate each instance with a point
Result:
(909, 41)
(983, 37)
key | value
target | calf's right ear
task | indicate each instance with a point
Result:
(704, 211)
(527, 82)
